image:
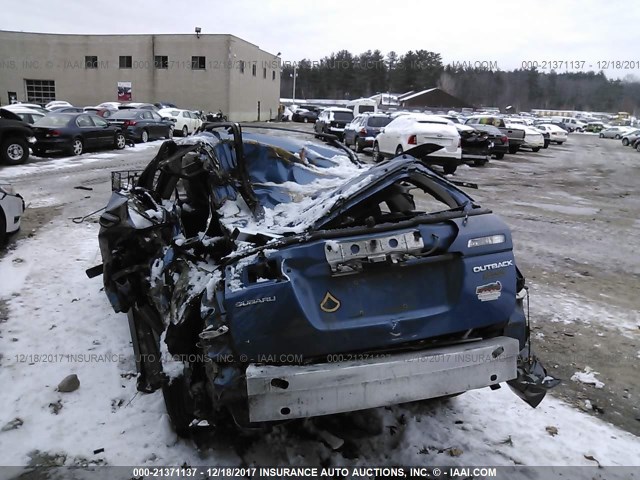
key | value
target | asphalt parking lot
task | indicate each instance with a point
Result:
(573, 210)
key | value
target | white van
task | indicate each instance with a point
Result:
(574, 124)
(363, 105)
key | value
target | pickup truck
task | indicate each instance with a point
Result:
(515, 135)
(275, 278)
(15, 137)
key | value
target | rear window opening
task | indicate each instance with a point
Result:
(343, 116)
(378, 121)
(415, 196)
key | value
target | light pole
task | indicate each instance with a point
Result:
(295, 68)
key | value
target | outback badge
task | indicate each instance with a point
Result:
(329, 303)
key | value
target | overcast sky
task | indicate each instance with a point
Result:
(506, 32)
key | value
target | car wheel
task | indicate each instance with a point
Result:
(625, 142)
(536, 149)
(499, 156)
(377, 156)
(617, 137)
(169, 135)
(176, 394)
(513, 150)
(76, 147)
(185, 131)
(450, 169)
(3, 228)
(601, 135)
(638, 147)
(357, 145)
(305, 120)
(144, 136)
(14, 151)
(399, 151)
(479, 163)
(120, 141)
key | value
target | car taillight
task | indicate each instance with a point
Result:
(53, 133)
(413, 140)
(363, 131)
(504, 139)
(129, 123)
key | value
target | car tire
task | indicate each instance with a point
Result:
(399, 150)
(449, 169)
(305, 120)
(617, 137)
(169, 134)
(3, 229)
(377, 156)
(513, 150)
(625, 142)
(499, 156)
(120, 141)
(185, 131)
(479, 163)
(14, 151)
(77, 147)
(144, 136)
(357, 146)
(638, 147)
(601, 135)
(535, 149)
(179, 405)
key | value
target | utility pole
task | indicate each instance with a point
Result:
(294, 82)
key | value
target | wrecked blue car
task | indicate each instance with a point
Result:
(275, 278)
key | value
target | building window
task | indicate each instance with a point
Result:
(241, 66)
(40, 91)
(125, 61)
(90, 61)
(198, 63)
(273, 75)
(253, 69)
(264, 72)
(161, 61)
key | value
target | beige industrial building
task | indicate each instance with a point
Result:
(194, 71)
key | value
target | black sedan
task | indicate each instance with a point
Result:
(499, 141)
(75, 133)
(142, 125)
(306, 114)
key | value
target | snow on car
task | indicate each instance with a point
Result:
(407, 131)
(247, 263)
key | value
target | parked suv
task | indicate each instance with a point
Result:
(362, 131)
(15, 137)
(333, 120)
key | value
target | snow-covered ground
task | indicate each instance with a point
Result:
(61, 323)
(58, 322)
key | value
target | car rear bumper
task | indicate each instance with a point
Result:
(499, 149)
(13, 207)
(57, 143)
(285, 392)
